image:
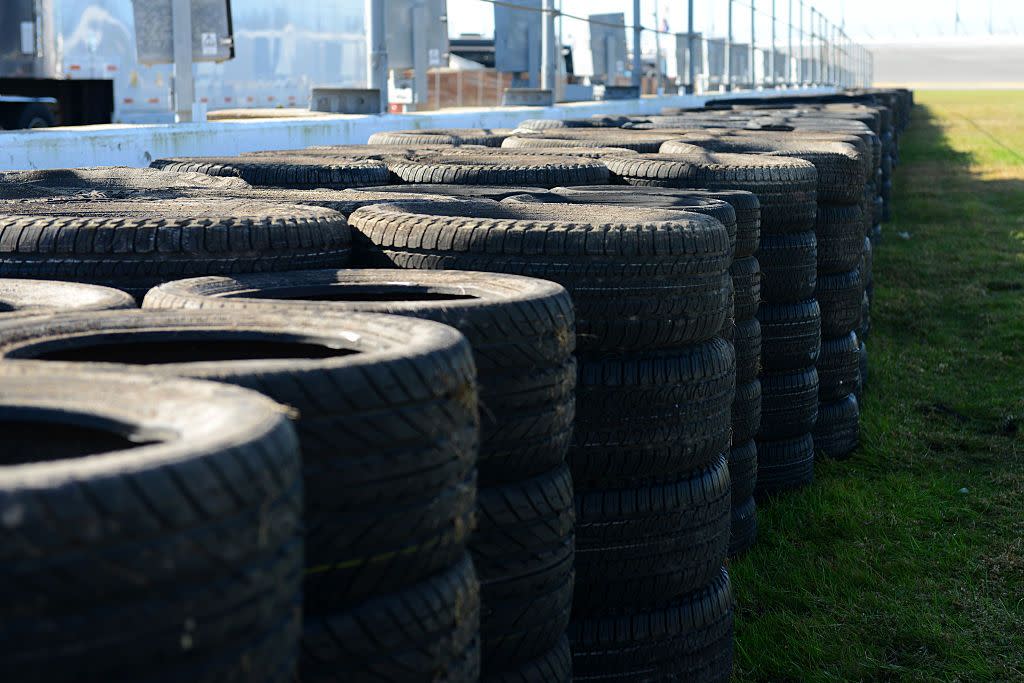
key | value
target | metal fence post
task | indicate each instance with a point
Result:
(753, 44)
(789, 51)
(801, 73)
(728, 51)
(184, 87)
(691, 50)
(772, 60)
(547, 40)
(377, 50)
(637, 55)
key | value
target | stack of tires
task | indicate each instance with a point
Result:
(655, 387)
(740, 213)
(788, 315)
(522, 334)
(385, 409)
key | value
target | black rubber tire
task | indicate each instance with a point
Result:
(585, 152)
(651, 416)
(837, 433)
(29, 115)
(784, 465)
(863, 383)
(639, 547)
(553, 666)
(867, 264)
(521, 330)
(743, 527)
(523, 551)
(488, 137)
(387, 420)
(686, 639)
(496, 169)
(158, 529)
(789, 404)
(840, 231)
(426, 632)
(612, 195)
(747, 344)
(789, 270)
(492, 192)
(636, 141)
(596, 121)
(790, 335)
(743, 471)
(746, 412)
(838, 367)
(745, 206)
(746, 279)
(864, 328)
(302, 172)
(640, 279)
(39, 297)
(135, 245)
(784, 187)
(110, 181)
(841, 168)
(840, 297)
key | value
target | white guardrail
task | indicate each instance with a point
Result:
(138, 145)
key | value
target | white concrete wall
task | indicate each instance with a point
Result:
(138, 145)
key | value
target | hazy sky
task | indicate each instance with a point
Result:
(879, 20)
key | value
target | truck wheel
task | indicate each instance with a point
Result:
(32, 115)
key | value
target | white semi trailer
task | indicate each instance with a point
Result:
(80, 58)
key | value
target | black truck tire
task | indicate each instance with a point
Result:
(302, 172)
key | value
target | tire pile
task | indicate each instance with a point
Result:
(455, 405)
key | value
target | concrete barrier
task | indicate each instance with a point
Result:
(138, 145)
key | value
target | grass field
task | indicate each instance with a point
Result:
(906, 562)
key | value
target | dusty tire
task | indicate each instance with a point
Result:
(743, 471)
(442, 136)
(789, 270)
(521, 330)
(37, 297)
(496, 169)
(840, 297)
(651, 416)
(640, 279)
(642, 546)
(686, 639)
(790, 335)
(747, 344)
(135, 245)
(784, 465)
(426, 632)
(840, 232)
(191, 489)
(111, 181)
(387, 420)
(838, 367)
(743, 527)
(746, 412)
(492, 192)
(837, 432)
(789, 404)
(285, 171)
(785, 187)
(746, 279)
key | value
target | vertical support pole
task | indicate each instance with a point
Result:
(377, 50)
(547, 45)
(691, 49)
(637, 55)
(789, 51)
(420, 94)
(801, 74)
(184, 86)
(560, 74)
(753, 44)
(728, 50)
(658, 87)
(771, 61)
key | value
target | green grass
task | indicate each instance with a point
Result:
(884, 569)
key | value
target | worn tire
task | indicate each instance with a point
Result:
(523, 551)
(743, 527)
(743, 471)
(867, 264)
(747, 345)
(863, 383)
(789, 270)
(840, 297)
(840, 232)
(386, 416)
(636, 141)
(640, 279)
(158, 529)
(283, 171)
(746, 412)
(135, 245)
(638, 547)
(837, 432)
(38, 297)
(521, 330)
(495, 169)
(785, 187)
(492, 192)
(553, 666)
(427, 632)
(686, 639)
(110, 181)
(838, 367)
(789, 404)
(784, 465)
(651, 416)
(746, 279)
(487, 137)
(790, 335)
